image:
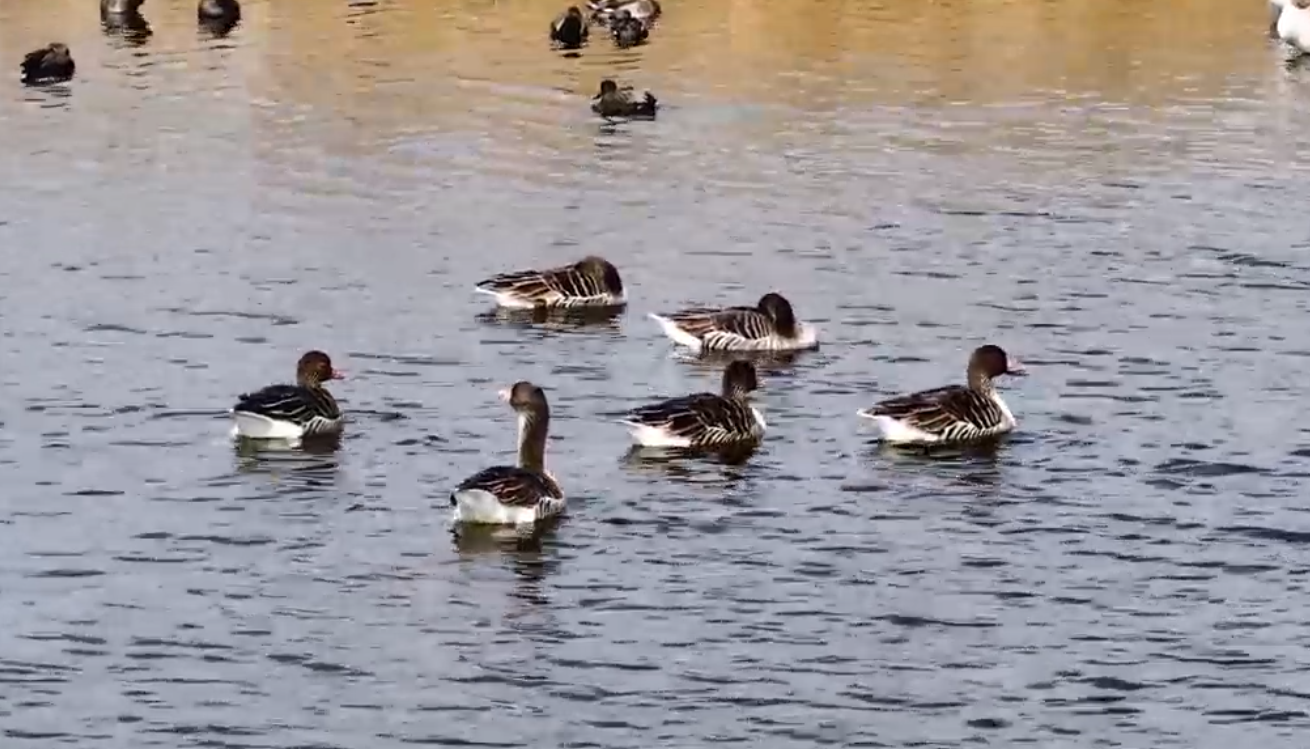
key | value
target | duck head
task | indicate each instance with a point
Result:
(991, 361)
(315, 368)
(739, 378)
(778, 309)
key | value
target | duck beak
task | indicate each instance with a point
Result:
(1014, 368)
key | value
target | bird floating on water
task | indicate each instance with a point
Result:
(627, 30)
(519, 495)
(770, 325)
(590, 282)
(953, 414)
(612, 101)
(291, 412)
(703, 420)
(52, 63)
(569, 30)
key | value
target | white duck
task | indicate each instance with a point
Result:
(771, 325)
(955, 413)
(518, 495)
(703, 420)
(289, 412)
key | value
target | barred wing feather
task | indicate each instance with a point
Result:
(514, 486)
(704, 419)
(291, 403)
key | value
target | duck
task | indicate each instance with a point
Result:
(770, 325)
(569, 29)
(703, 420)
(1293, 26)
(218, 13)
(642, 10)
(519, 495)
(953, 414)
(627, 30)
(590, 282)
(52, 63)
(613, 102)
(290, 412)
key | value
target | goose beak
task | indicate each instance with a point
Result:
(1014, 368)
(337, 374)
(504, 394)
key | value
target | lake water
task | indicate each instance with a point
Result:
(1111, 190)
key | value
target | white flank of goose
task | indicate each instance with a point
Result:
(771, 325)
(514, 495)
(703, 420)
(590, 282)
(289, 412)
(1293, 26)
(955, 413)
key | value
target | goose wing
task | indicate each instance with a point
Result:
(954, 410)
(292, 403)
(555, 286)
(704, 419)
(513, 486)
(723, 327)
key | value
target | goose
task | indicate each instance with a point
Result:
(1275, 10)
(219, 16)
(1294, 26)
(590, 282)
(612, 101)
(955, 413)
(569, 29)
(768, 326)
(289, 412)
(517, 495)
(642, 10)
(703, 420)
(626, 30)
(52, 63)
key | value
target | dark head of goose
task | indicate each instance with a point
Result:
(739, 379)
(989, 362)
(526, 399)
(315, 368)
(602, 272)
(774, 306)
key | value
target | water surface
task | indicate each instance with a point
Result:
(1114, 200)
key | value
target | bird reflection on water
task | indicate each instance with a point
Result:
(560, 320)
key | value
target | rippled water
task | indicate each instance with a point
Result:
(1112, 196)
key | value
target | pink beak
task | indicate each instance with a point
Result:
(337, 375)
(1013, 367)
(504, 394)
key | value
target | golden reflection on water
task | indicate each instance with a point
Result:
(789, 51)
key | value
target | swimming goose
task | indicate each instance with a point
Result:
(514, 495)
(703, 420)
(289, 412)
(642, 10)
(955, 413)
(569, 29)
(769, 326)
(1294, 25)
(612, 101)
(590, 282)
(626, 30)
(52, 63)
(1275, 10)
(218, 16)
